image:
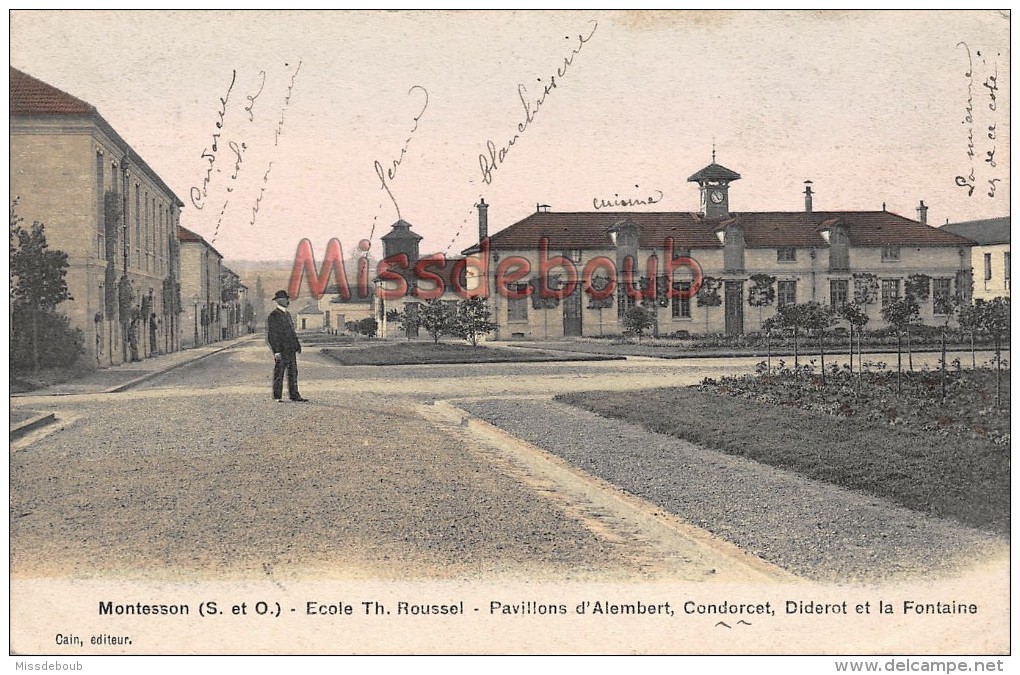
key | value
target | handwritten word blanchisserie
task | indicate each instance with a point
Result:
(493, 158)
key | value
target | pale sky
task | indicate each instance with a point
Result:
(870, 106)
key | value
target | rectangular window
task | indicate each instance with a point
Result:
(1005, 267)
(786, 254)
(138, 227)
(988, 266)
(890, 254)
(839, 292)
(786, 293)
(681, 301)
(890, 291)
(517, 308)
(940, 293)
(624, 301)
(100, 207)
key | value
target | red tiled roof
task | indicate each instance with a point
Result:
(590, 230)
(30, 96)
(186, 235)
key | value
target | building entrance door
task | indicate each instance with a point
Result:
(572, 313)
(734, 307)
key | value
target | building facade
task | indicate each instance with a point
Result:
(108, 210)
(989, 256)
(201, 270)
(555, 275)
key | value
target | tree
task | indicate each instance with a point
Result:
(901, 314)
(918, 288)
(761, 293)
(969, 318)
(259, 301)
(38, 286)
(637, 319)
(817, 318)
(436, 317)
(790, 316)
(858, 319)
(367, 326)
(406, 318)
(472, 319)
(708, 295)
(993, 317)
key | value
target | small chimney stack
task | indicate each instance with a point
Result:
(483, 220)
(922, 213)
(807, 196)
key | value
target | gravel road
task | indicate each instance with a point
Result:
(812, 529)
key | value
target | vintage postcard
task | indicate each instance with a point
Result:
(511, 332)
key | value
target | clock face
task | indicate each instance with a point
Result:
(716, 196)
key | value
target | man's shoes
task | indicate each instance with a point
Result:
(300, 399)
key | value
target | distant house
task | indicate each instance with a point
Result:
(201, 289)
(309, 317)
(990, 255)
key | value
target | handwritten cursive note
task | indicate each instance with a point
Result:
(654, 198)
(981, 122)
(242, 135)
(493, 158)
(277, 132)
(388, 175)
(211, 152)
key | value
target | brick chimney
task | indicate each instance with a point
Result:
(922, 213)
(807, 196)
(483, 220)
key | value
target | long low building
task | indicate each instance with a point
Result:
(658, 258)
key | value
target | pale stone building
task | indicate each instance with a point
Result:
(821, 256)
(108, 210)
(990, 255)
(201, 290)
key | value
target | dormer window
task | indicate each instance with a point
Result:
(786, 254)
(890, 254)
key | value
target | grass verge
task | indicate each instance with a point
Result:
(964, 479)
(424, 353)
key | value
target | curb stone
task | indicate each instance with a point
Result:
(31, 424)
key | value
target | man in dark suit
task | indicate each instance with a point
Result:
(283, 340)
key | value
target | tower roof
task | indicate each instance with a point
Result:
(401, 230)
(714, 172)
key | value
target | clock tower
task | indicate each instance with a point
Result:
(715, 181)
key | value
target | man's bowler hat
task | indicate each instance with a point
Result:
(281, 294)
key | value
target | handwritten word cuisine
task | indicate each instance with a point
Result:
(493, 158)
(981, 122)
(638, 201)
(388, 175)
(209, 153)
